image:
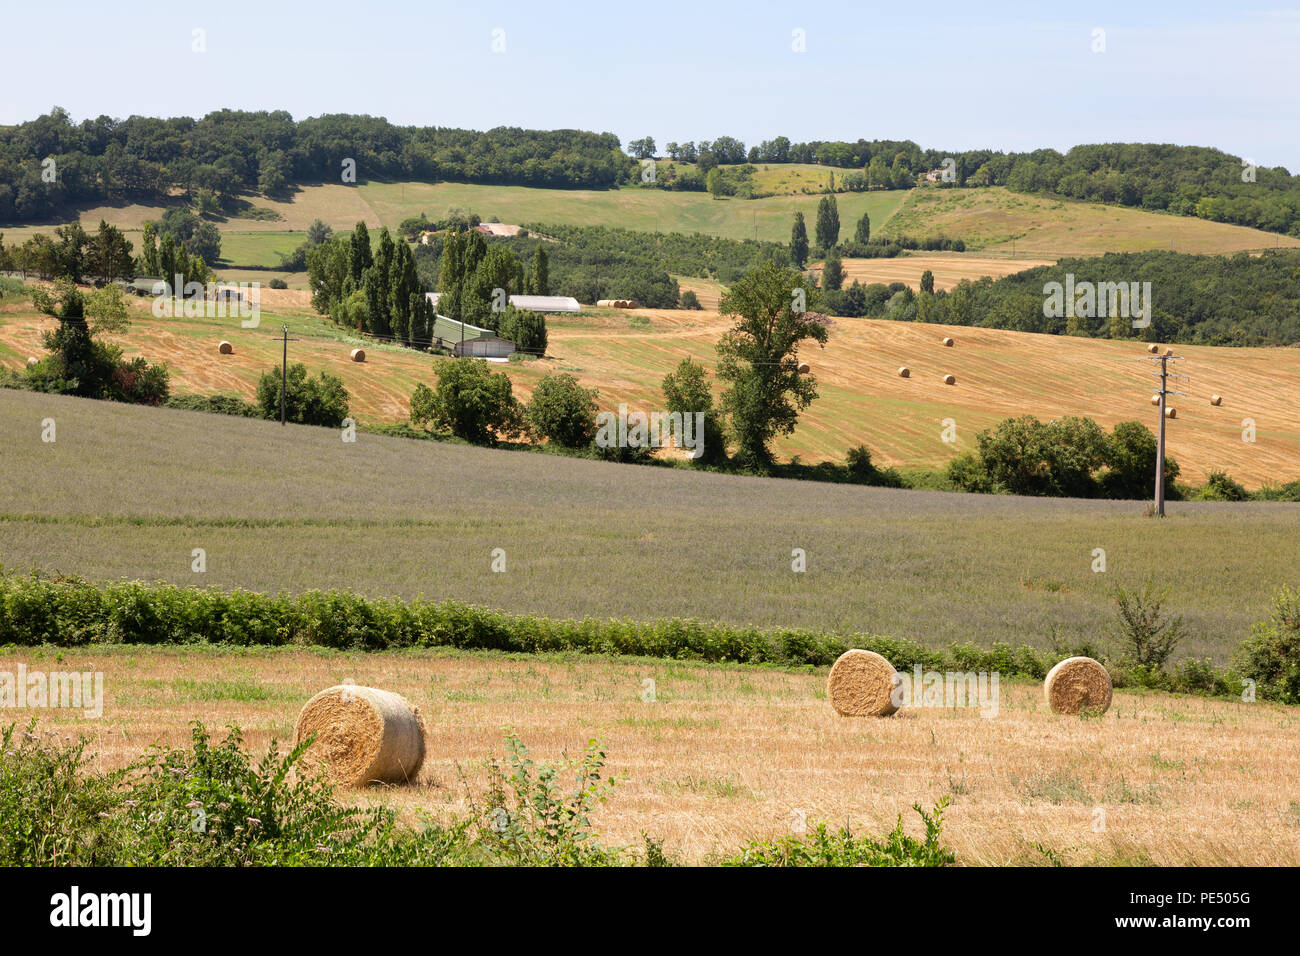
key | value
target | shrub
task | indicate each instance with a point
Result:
(525, 328)
(470, 401)
(138, 382)
(690, 300)
(534, 819)
(967, 473)
(308, 401)
(1131, 462)
(823, 848)
(278, 283)
(563, 411)
(1220, 487)
(1148, 637)
(686, 392)
(216, 404)
(1271, 655)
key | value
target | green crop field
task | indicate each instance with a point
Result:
(130, 492)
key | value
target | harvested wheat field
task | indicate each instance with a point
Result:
(724, 754)
(949, 269)
(862, 396)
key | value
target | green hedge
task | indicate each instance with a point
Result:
(72, 612)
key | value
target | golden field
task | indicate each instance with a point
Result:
(726, 754)
(626, 354)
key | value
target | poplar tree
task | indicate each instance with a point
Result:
(799, 241)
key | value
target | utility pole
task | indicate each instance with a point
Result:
(284, 370)
(1161, 404)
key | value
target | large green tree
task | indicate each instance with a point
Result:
(470, 401)
(758, 358)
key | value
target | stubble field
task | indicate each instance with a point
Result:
(726, 754)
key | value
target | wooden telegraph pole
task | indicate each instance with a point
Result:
(284, 371)
(1161, 404)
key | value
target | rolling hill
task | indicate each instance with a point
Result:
(625, 355)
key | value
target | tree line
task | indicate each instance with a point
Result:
(50, 162)
(1184, 180)
(1242, 299)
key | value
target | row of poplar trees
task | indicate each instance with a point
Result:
(375, 292)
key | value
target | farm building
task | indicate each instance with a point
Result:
(449, 332)
(497, 229)
(485, 346)
(534, 303)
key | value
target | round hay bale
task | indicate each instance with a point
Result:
(1155, 399)
(947, 342)
(1169, 351)
(1153, 349)
(1171, 413)
(358, 355)
(1077, 684)
(32, 360)
(904, 372)
(225, 348)
(363, 734)
(804, 368)
(861, 685)
(950, 380)
(1216, 400)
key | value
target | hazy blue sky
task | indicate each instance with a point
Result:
(1004, 75)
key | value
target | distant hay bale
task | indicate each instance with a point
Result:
(861, 685)
(363, 735)
(225, 348)
(947, 342)
(1153, 349)
(950, 380)
(1216, 399)
(1171, 413)
(804, 368)
(904, 372)
(1155, 399)
(32, 360)
(1169, 351)
(1077, 684)
(358, 355)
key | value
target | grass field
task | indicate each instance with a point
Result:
(998, 221)
(248, 242)
(1159, 780)
(993, 221)
(129, 492)
(862, 399)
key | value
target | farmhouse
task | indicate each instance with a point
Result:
(497, 229)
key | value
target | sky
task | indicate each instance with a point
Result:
(1000, 75)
